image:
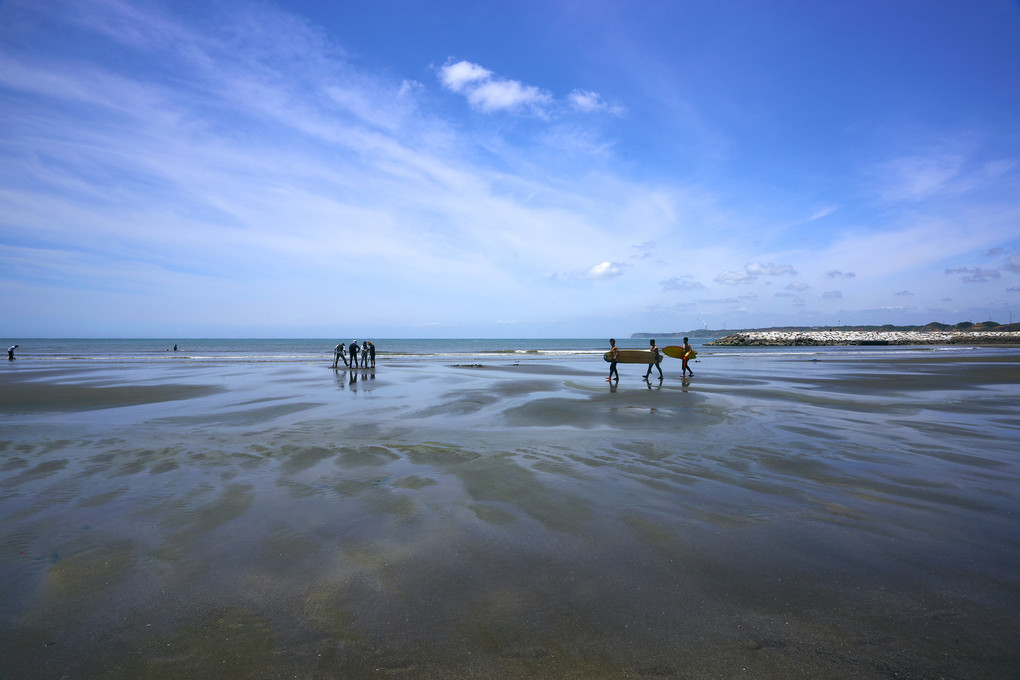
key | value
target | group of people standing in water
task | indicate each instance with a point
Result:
(351, 355)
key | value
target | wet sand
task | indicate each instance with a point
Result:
(774, 517)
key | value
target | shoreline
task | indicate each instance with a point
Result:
(851, 338)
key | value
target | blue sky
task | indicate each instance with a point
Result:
(505, 169)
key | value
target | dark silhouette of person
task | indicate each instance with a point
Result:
(338, 354)
(10, 352)
(371, 353)
(656, 360)
(615, 353)
(353, 351)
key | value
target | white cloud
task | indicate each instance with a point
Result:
(487, 93)
(759, 269)
(587, 101)
(837, 274)
(1013, 264)
(457, 77)
(497, 95)
(602, 270)
(752, 271)
(732, 278)
(832, 295)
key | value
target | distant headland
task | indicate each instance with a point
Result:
(985, 333)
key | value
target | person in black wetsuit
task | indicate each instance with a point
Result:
(338, 354)
(352, 351)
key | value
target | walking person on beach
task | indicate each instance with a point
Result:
(688, 350)
(371, 353)
(614, 351)
(352, 351)
(656, 358)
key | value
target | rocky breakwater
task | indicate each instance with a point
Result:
(809, 338)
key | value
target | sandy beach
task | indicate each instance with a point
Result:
(780, 515)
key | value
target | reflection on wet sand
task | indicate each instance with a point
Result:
(456, 521)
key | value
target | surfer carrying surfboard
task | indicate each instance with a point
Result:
(614, 351)
(657, 359)
(688, 354)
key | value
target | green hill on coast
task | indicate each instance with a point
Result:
(933, 326)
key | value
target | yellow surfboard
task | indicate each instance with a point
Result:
(677, 352)
(632, 356)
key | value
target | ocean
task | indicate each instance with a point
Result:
(496, 508)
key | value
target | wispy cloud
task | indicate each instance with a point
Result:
(681, 283)
(751, 272)
(974, 274)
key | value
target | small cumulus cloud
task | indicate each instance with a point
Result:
(758, 269)
(904, 293)
(752, 271)
(837, 274)
(832, 295)
(974, 274)
(461, 75)
(680, 283)
(1013, 264)
(487, 92)
(602, 270)
(797, 286)
(587, 101)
